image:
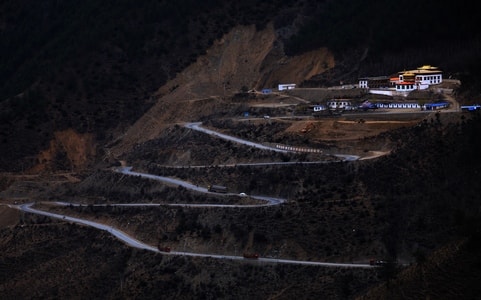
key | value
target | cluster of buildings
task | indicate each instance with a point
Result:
(403, 82)
(398, 84)
(343, 105)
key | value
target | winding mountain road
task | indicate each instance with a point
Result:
(132, 242)
(190, 186)
(196, 126)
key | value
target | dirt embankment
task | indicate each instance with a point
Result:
(8, 216)
(337, 130)
(243, 58)
(77, 149)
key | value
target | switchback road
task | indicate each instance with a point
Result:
(131, 241)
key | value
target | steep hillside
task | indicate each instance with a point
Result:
(89, 85)
(400, 207)
(92, 66)
(447, 274)
(95, 67)
(243, 58)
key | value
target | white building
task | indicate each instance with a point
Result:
(363, 83)
(418, 79)
(405, 81)
(286, 86)
(339, 104)
(319, 108)
(394, 105)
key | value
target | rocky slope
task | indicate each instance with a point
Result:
(94, 68)
(124, 95)
(245, 57)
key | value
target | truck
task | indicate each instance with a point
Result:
(217, 188)
(251, 255)
(163, 248)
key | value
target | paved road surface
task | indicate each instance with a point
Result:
(138, 244)
(132, 242)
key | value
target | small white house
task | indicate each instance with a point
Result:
(319, 108)
(339, 105)
(287, 86)
(363, 83)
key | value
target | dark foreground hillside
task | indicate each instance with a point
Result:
(452, 272)
(48, 260)
(75, 76)
(418, 205)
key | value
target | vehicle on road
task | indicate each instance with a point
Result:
(217, 188)
(243, 194)
(375, 262)
(163, 248)
(251, 255)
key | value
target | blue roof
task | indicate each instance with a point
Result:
(437, 104)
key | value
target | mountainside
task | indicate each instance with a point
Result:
(88, 86)
(95, 68)
(399, 207)
(245, 57)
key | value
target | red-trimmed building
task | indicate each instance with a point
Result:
(418, 79)
(405, 81)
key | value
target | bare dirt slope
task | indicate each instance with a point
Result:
(344, 130)
(244, 58)
(8, 216)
